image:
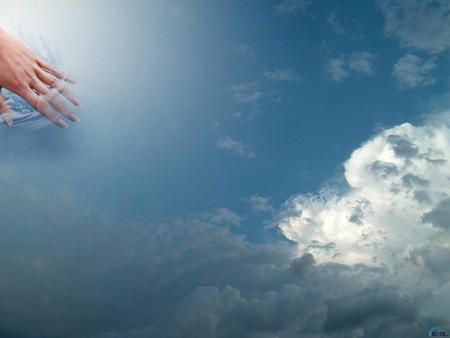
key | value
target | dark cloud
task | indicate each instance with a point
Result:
(301, 264)
(422, 196)
(350, 312)
(436, 259)
(383, 168)
(75, 271)
(402, 146)
(440, 216)
(333, 301)
(411, 181)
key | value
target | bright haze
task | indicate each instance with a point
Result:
(242, 169)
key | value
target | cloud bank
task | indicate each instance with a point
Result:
(70, 270)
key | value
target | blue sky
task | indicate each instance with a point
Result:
(219, 137)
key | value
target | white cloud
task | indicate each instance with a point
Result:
(335, 23)
(393, 214)
(397, 182)
(292, 6)
(411, 71)
(246, 92)
(340, 68)
(260, 203)
(423, 24)
(362, 63)
(236, 147)
(336, 69)
(246, 50)
(287, 75)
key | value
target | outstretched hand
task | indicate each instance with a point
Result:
(39, 83)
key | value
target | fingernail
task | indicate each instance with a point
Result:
(69, 79)
(61, 123)
(75, 118)
(8, 119)
(76, 101)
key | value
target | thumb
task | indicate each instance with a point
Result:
(4, 108)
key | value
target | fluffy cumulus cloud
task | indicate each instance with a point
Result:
(393, 213)
(422, 24)
(237, 147)
(340, 68)
(411, 71)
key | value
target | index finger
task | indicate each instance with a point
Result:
(60, 75)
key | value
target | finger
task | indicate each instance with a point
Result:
(46, 77)
(42, 106)
(4, 108)
(60, 87)
(54, 82)
(53, 97)
(60, 75)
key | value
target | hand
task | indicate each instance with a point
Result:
(39, 83)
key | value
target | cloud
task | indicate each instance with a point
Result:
(337, 69)
(245, 50)
(394, 211)
(300, 265)
(222, 217)
(343, 312)
(292, 6)
(260, 203)
(359, 62)
(114, 274)
(294, 309)
(237, 147)
(384, 205)
(422, 24)
(180, 277)
(246, 92)
(287, 75)
(411, 71)
(362, 63)
(439, 216)
(335, 23)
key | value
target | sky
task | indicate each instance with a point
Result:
(254, 169)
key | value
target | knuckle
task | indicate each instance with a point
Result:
(17, 83)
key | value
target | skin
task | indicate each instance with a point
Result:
(40, 84)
